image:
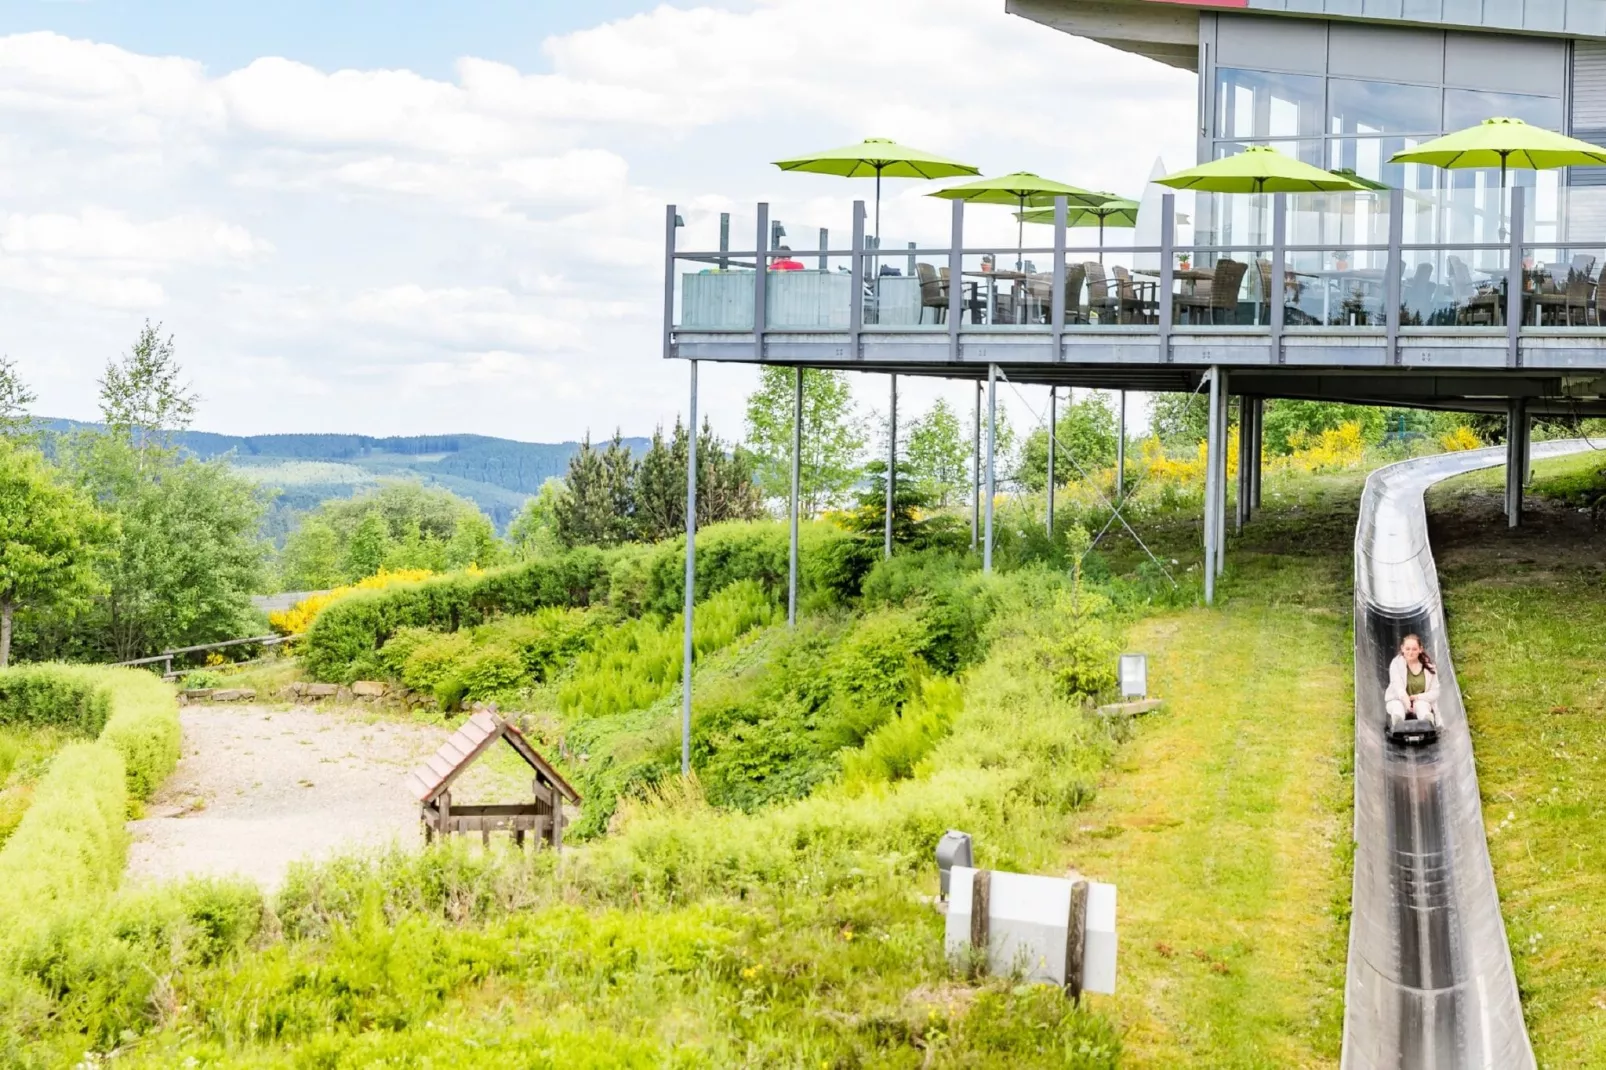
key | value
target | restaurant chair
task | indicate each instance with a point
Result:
(969, 295)
(1573, 303)
(1293, 289)
(1075, 276)
(1476, 305)
(1222, 296)
(1139, 297)
(933, 293)
(1111, 302)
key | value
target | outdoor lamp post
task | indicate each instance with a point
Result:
(1134, 674)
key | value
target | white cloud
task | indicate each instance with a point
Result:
(484, 251)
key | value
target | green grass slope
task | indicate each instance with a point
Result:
(1527, 618)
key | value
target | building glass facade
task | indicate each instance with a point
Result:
(1342, 95)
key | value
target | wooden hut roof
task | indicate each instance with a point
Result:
(459, 752)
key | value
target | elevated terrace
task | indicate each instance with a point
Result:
(1367, 317)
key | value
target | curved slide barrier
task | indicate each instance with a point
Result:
(1430, 983)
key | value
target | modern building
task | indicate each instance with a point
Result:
(1347, 83)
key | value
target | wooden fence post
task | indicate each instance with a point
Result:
(1075, 940)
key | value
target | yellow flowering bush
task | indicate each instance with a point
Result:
(1182, 471)
(1336, 447)
(1462, 438)
(299, 617)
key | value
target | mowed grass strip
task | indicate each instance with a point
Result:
(1225, 825)
(1527, 617)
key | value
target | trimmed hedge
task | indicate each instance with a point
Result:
(70, 842)
(343, 642)
(38, 695)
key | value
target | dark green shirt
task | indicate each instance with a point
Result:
(1415, 682)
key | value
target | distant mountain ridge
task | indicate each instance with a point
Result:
(498, 474)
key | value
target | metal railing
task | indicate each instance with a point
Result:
(1287, 288)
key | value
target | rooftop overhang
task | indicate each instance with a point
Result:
(1163, 30)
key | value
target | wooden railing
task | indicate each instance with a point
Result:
(166, 657)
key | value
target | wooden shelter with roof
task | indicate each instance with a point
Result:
(432, 782)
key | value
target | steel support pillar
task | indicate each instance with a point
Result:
(892, 464)
(975, 473)
(792, 510)
(1516, 458)
(1245, 438)
(691, 580)
(1120, 446)
(1222, 436)
(1053, 397)
(992, 467)
(1259, 408)
(1212, 454)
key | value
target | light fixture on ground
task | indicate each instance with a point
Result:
(1134, 673)
(952, 850)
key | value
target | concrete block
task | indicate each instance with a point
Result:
(319, 690)
(369, 689)
(234, 694)
(1029, 927)
(1130, 709)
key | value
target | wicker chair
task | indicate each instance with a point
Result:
(933, 293)
(969, 300)
(1222, 297)
(1572, 303)
(1292, 290)
(1075, 276)
(1142, 297)
(1105, 299)
(1474, 304)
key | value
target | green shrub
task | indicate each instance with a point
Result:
(143, 727)
(831, 565)
(70, 843)
(33, 696)
(343, 643)
(778, 731)
(953, 598)
(201, 679)
(506, 654)
(638, 661)
(893, 751)
(129, 709)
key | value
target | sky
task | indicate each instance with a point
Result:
(410, 217)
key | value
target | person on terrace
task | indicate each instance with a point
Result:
(1413, 691)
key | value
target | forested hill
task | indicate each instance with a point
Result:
(496, 473)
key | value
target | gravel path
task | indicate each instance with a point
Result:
(257, 789)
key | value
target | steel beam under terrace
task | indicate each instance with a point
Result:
(1473, 354)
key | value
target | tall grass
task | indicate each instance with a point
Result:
(698, 936)
(639, 660)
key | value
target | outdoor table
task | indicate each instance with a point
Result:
(1017, 278)
(1188, 277)
(1367, 277)
(1532, 279)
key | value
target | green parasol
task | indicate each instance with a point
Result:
(877, 156)
(1258, 169)
(1504, 143)
(1112, 212)
(1020, 188)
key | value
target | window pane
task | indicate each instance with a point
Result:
(1380, 108)
(1256, 104)
(1468, 107)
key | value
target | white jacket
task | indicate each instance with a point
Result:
(1396, 689)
